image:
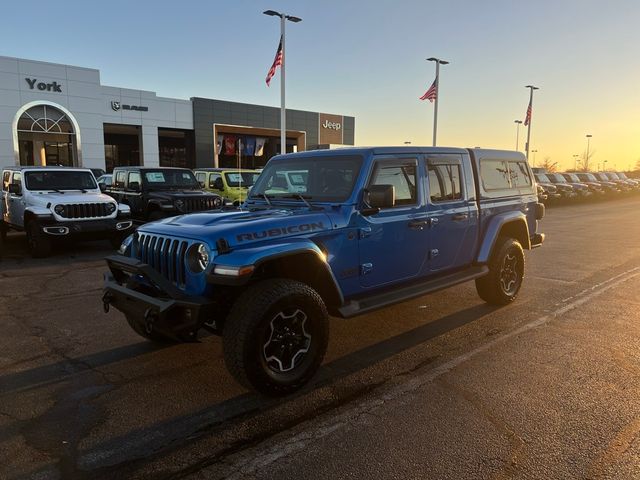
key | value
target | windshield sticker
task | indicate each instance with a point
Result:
(155, 177)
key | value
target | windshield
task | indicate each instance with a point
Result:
(623, 176)
(573, 177)
(329, 179)
(556, 178)
(183, 179)
(59, 180)
(542, 178)
(587, 177)
(241, 179)
(613, 176)
(602, 176)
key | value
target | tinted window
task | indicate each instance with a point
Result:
(322, 178)
(60, 180)
(401, 176)
(519, 174)
(444, 183)
(5, 180)
(495, 174)
(119, 181)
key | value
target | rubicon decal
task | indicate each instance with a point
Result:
(276, 232)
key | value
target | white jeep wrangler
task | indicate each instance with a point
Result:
(50, 203)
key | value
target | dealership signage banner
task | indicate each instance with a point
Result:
(331, 129)
(34, 84)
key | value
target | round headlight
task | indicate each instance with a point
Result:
(179, 204)
(59, 209)
(217, 202)
(198, 257)
(111, 207)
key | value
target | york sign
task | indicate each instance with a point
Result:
(331, 125)
(49, 87)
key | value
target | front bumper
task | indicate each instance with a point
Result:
(102, 228)
(152, 301)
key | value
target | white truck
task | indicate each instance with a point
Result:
(56, 203)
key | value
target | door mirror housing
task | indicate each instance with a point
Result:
(378, 196)
(217, 184)
(134, 186)
(15, 189)
(102, 186)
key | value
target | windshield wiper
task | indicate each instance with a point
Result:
(299, 196)
(263, 196)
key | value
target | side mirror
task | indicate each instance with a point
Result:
(201, 182)
(15, 188)
(102, 186)
(218, 184)
(377, 197)
(134, 186)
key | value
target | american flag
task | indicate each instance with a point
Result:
(430, 94)
(277, 62)
(527, 119)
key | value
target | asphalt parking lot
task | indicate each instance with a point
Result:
(442, 386)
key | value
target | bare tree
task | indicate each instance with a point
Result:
(583, 162)
(548, 165)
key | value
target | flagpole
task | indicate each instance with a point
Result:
(531, 89)
(283, 111)
(435, 109)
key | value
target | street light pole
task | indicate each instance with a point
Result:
(531, 89)
(435, 109)
(575, 161)
(534, 156)
(586, 160)
(517, 122)
(283, 112)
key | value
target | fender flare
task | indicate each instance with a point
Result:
(493, 230)
(259, 255)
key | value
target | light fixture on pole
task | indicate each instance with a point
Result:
(283, 115)
(435, 109)
(604, 165)
(517, 122)
(534, 156)
(586, 160)
(575, 161)
(527, 120)
(407, 142)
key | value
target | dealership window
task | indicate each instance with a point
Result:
(176, 148)
(121, 146)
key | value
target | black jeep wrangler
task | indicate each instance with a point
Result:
(153, 193)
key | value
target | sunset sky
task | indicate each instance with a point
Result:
(367, 59)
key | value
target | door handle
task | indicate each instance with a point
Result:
(419, 224)
(459, 217)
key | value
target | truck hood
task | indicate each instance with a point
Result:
(69, 197)
(240, 228)
(176, 194)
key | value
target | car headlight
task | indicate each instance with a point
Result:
(125, 245)
(179, 204)
(111, 207)
(198, 257)
(59, 209)
(217, 202)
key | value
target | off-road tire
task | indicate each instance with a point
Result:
(251, 319)
(39, 245)
(491, 287)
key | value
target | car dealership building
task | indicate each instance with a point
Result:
(52, 114)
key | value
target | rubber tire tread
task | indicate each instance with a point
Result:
(488, 287)
(245, 315)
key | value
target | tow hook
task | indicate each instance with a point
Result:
(149, 319)
(106, 300)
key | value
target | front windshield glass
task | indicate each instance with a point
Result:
(557, 178)
(182, 179)
(241, 179)
(602, 176)
(573, 177)
(613, 176)
(542, 178)
(59, 180)
(622, 176)
(329, 179)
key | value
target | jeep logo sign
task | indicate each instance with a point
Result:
(331, 125)
(49, 87)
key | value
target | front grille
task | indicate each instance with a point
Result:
(198, 204)
(85, 210)
(165, 255)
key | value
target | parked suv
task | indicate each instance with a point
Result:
(57, 203)
(367, 227)
(232, 185)
(155, 193)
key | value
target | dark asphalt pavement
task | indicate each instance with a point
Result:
(442, 386)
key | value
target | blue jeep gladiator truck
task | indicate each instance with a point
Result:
(332, 232)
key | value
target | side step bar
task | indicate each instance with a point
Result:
(366, 304)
